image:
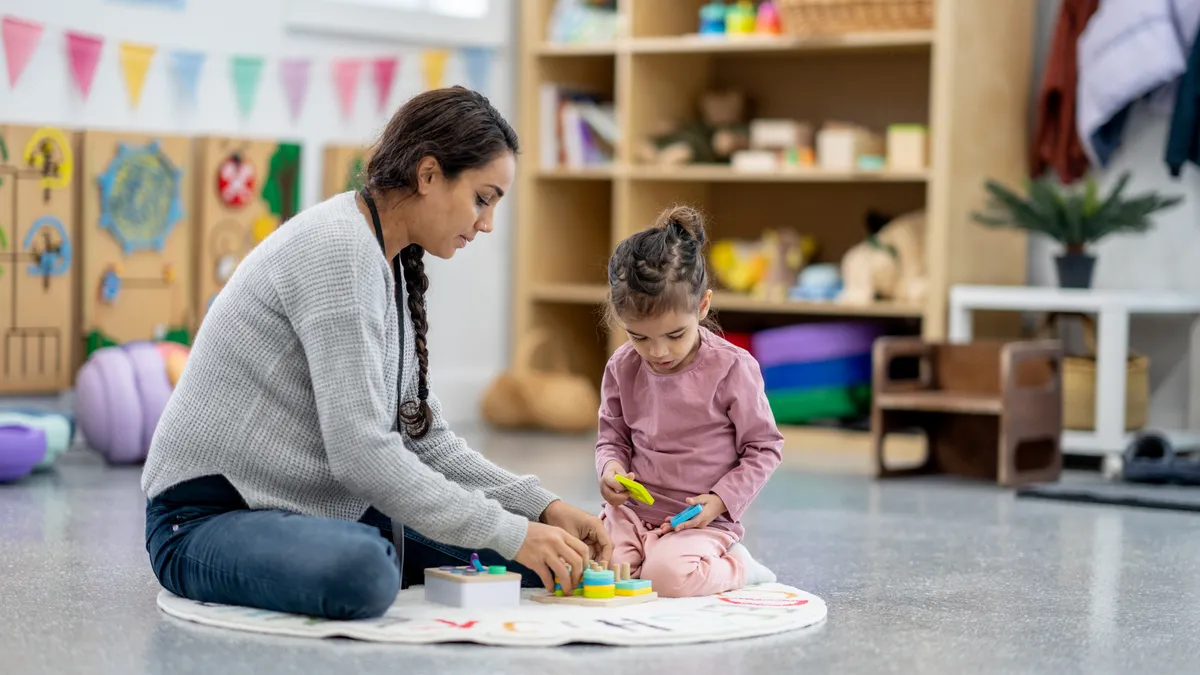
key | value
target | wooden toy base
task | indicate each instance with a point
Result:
(618, 601)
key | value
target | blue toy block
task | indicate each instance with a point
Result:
(632, 584)
(686, 514)
(601, 578)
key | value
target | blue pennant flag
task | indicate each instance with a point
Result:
(186, 67)
(478, 64)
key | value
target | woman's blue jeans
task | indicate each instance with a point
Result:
(206, 544)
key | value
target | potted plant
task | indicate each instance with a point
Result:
(1075, 216)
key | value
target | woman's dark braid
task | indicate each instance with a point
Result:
(417, 415)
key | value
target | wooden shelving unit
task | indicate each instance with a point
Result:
(967, 79)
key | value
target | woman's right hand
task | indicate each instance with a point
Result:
(613, 492)
(548, 550)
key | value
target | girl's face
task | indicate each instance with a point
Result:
(452, 212)
(668, 342)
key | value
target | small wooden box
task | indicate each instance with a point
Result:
(456, 587)
(907, 147)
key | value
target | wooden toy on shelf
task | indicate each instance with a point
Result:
(38, 248)
(720, 131)
(840, 144)
(990, 410)
(907, 147)
(473, 586)
(603, 585)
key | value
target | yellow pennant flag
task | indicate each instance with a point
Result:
(135, 61)
(433, 62)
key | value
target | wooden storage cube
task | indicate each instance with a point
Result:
(566, 83)
(834, 214)
(570, 231)
(579, 326)
(665, 92)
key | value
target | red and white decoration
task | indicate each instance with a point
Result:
(236, 180)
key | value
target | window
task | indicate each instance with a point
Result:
(448, 22)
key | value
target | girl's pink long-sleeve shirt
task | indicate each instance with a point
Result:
(706, 428)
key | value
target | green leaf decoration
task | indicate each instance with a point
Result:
(282, 188)
(1073, 215)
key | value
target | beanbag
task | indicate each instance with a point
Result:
(58, 429)
(21, 448)
(120, 394)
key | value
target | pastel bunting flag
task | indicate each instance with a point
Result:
(345, 79)
(478, 64)
(294, 74)
(247, 71)
(21, 38)
(135, 63)
(83, 51)
(185, 66)
(433, 64)
(384, 72)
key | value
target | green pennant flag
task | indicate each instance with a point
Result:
(247, 70)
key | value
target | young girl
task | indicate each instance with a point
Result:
(683, 412)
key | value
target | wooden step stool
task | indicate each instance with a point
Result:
(990, 409)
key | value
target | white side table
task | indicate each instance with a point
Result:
(1112, 309)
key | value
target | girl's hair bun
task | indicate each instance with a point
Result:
(685, 220)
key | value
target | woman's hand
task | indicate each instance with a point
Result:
(548, 550)
(582, 525)
(714, 506)
(613, 492)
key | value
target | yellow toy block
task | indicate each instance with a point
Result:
(599, 592)
(626, 592)
(636, 490)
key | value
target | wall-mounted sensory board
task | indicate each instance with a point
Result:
(37, 249)
(344, 166)
(135, 238)
(245, 188)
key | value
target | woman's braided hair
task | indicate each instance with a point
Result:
(461, 130)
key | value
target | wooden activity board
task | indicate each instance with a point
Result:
(37, 252)
(344, 169)
(135, 238)
(245, 189)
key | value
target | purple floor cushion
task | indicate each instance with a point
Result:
(120, 394)
(21, 448)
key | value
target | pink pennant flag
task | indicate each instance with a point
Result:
(21, 37)
(295, 83)
(384, 70)
(84, 52)
(345, 78)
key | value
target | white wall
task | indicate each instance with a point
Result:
(1166, 258)
(469, 296)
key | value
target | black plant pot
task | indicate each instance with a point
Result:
(1075, 270)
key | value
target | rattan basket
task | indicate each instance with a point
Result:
(1079, 380)
(825, 17)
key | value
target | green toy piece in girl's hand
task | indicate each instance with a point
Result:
(636, 490)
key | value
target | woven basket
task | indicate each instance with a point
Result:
(554, 400)
(826, 17)
(1079, 383)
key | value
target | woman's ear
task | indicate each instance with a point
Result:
(427, 172)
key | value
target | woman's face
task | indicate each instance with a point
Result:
(452, 212)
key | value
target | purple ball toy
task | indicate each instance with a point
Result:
(21, 448)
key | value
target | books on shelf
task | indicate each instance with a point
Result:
(578, 128)
(582, 22)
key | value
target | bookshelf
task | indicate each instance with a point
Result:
(967, 79)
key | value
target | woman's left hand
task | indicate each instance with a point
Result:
(713, 505)
(586, 527)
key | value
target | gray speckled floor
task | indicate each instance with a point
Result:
(920, 576)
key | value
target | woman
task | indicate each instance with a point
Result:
(304, 421)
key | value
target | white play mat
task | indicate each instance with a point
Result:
(754, 611)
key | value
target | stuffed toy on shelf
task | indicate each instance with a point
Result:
(720, 131)
(889, 264)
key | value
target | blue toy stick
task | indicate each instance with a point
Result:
(686, 515)
(475, 562)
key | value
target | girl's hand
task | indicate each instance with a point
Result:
(714, 506)
(613, 492)
(548, 550)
